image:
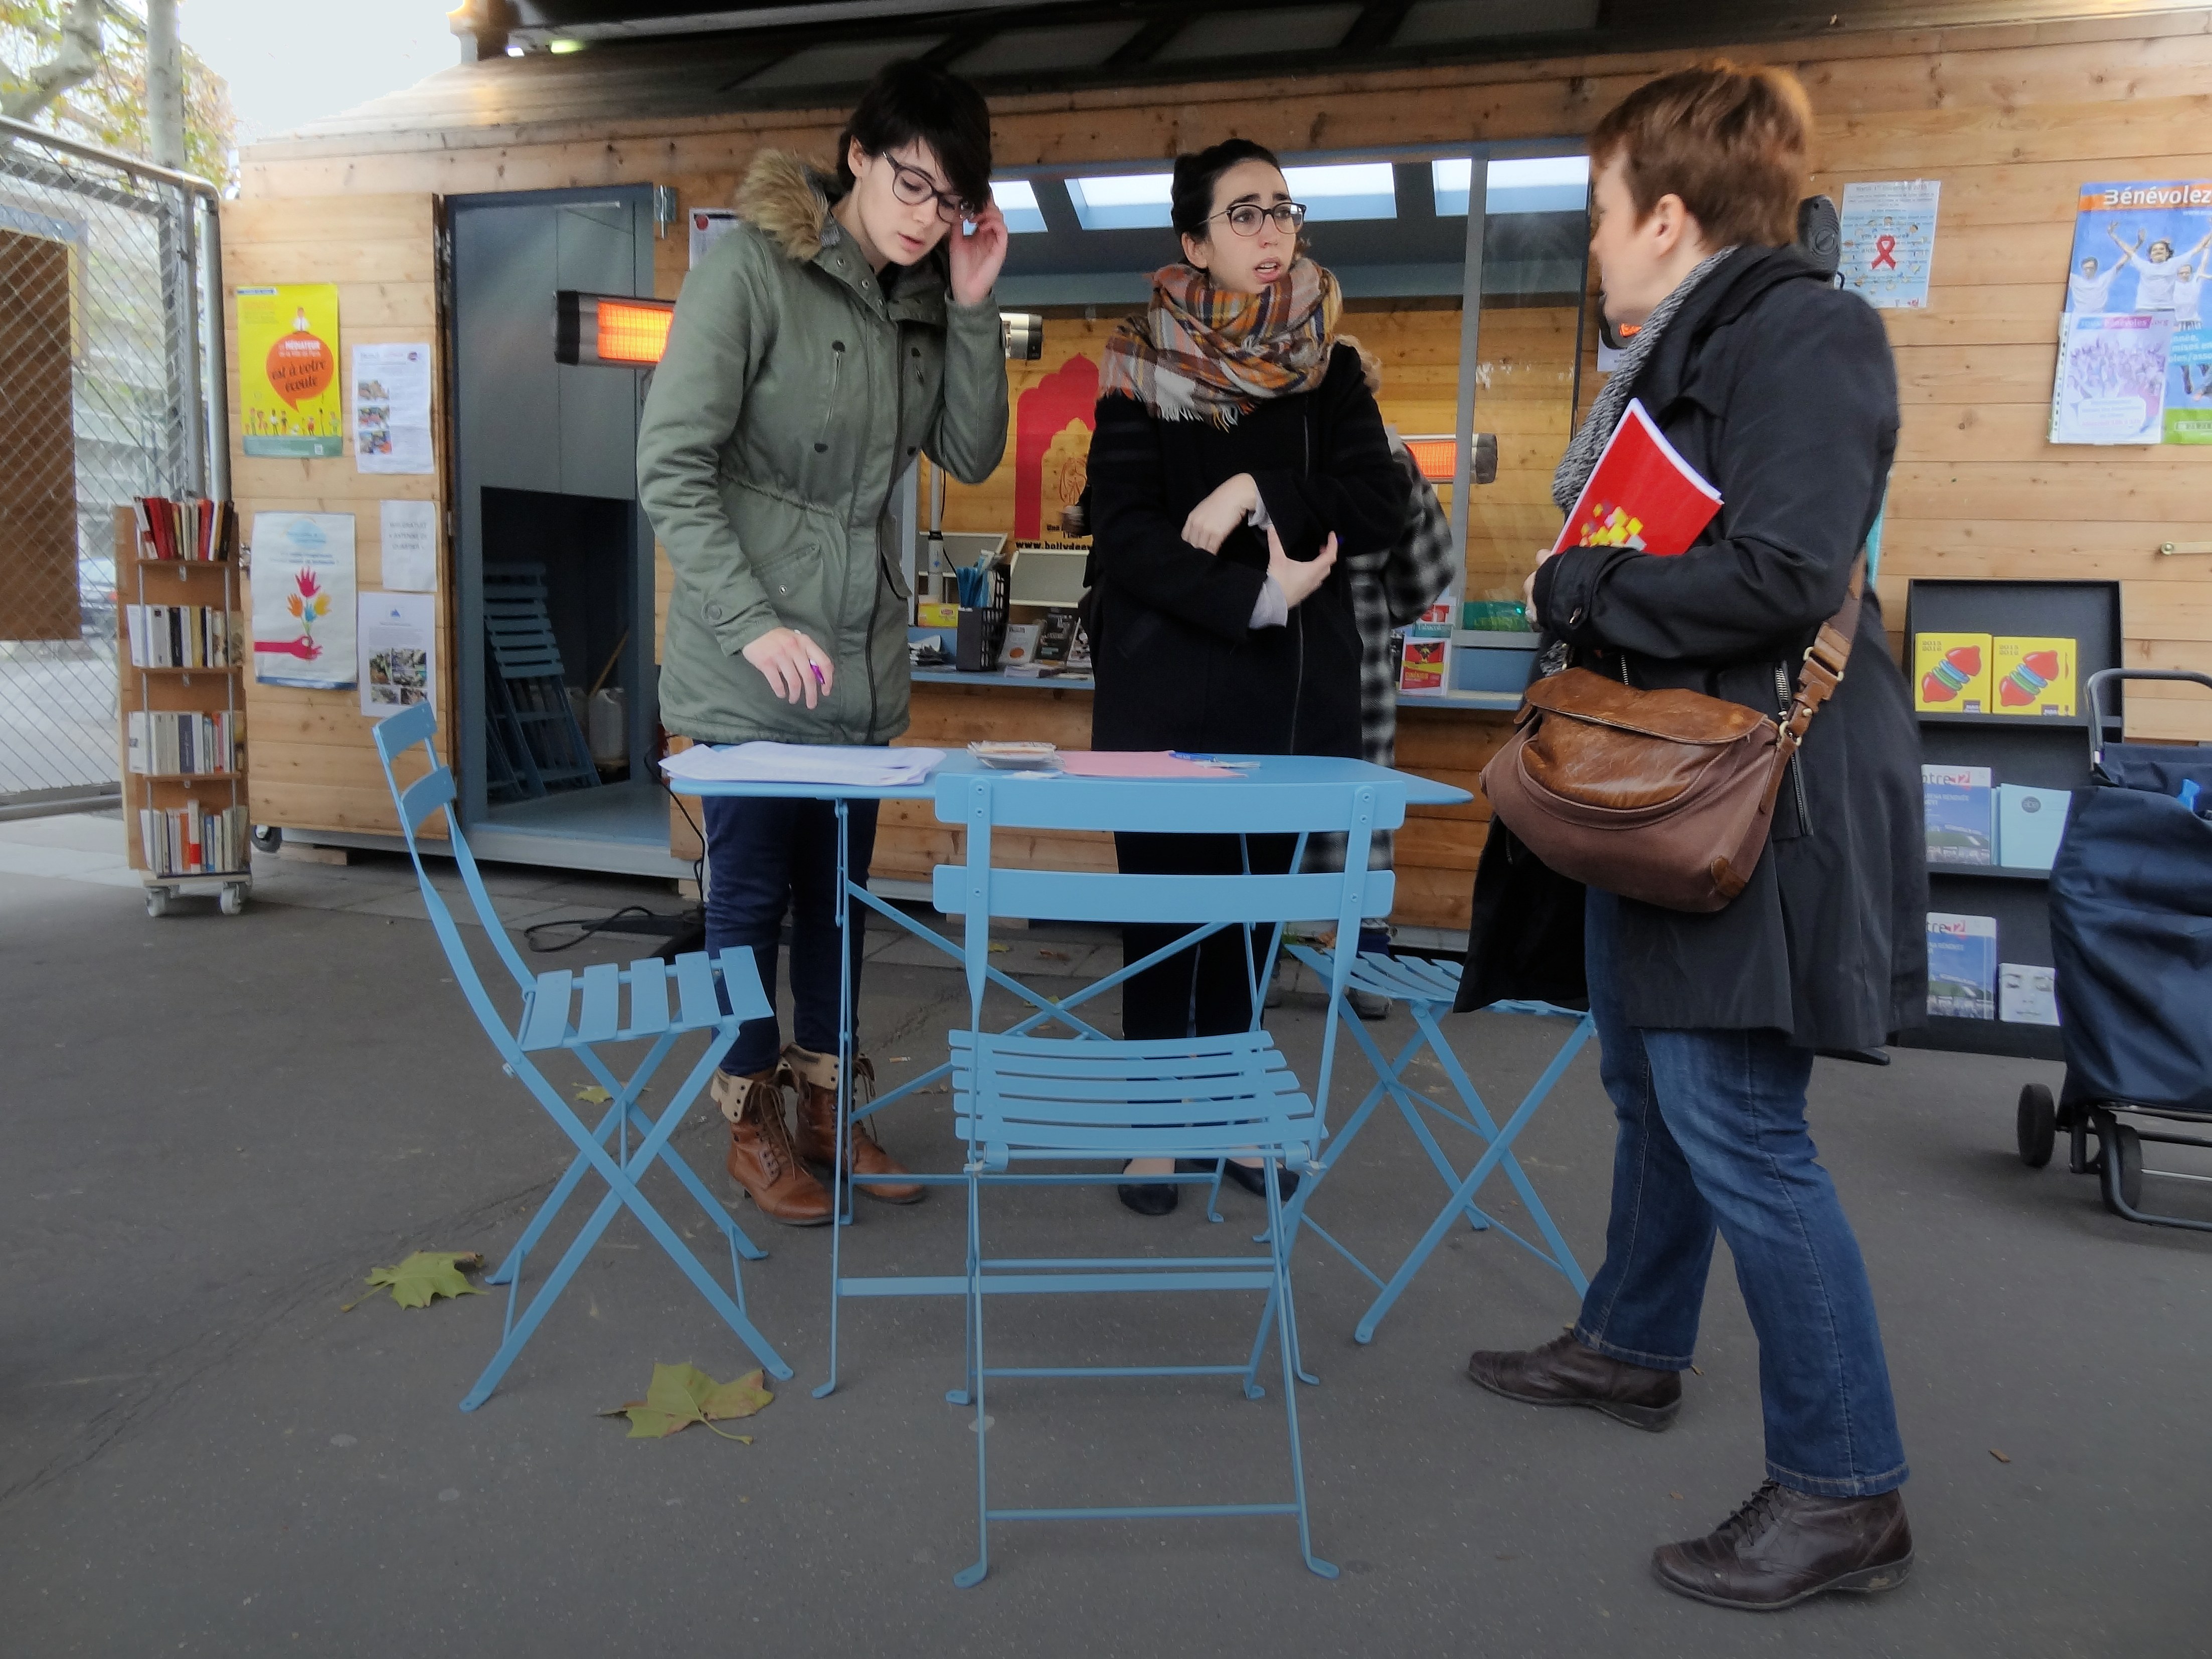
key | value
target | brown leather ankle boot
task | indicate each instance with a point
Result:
(1563, 1372)
(1784, 1546)
(814, 1080)
(762, 1164)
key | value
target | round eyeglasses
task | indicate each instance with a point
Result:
(913, 188)
(1245, 217)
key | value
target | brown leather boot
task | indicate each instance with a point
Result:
(1784, 1546)
(814, 1080)
(1563, 1372)
(762, 1164)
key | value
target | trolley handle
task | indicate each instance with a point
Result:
(2096, 706)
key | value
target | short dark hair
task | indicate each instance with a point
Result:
(1731, 142)
(911, 100)
(1191, 196)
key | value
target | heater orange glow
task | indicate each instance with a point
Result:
(632, 333)
(1434, 455)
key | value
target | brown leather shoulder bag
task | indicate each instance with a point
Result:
(1662, 796)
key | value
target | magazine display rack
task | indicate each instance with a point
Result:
(180, 652)
(1995, 911)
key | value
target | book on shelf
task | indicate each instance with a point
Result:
(190, 529)
(1951, 673)
(2027, 994)
(1962, 966)
(1425, 666)
(1959, 806)
(188, 742)
(2031, 823)
(184, 636)
(194, 840)
(1640, 494)
(2033, 675)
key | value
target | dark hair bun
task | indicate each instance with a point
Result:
(1191, 195)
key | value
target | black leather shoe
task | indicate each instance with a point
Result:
(1150, 1197)
(1563, 1372)
(1784, 1546)
(1254, 1180)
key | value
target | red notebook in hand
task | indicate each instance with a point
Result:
(1642, 495)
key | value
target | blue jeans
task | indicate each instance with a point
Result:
(1712, 1135)
(765, 857)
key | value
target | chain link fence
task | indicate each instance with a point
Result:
(107, 337)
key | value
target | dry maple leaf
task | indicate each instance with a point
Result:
(422, 1278)
(680, 1395)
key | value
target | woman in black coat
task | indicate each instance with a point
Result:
(1780, 390)
(1237, 451)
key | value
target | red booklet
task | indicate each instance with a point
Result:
(1642, 494)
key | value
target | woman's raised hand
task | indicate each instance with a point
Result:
(976, 258)
(1299, 579)
(1228, 506)
(794, 665)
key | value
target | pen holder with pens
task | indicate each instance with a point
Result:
(981, 632)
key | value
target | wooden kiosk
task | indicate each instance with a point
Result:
(2011, 117)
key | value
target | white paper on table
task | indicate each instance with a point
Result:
(398, 642)
(302, 578)
(799, 762)
(407, 533)
(391, 408)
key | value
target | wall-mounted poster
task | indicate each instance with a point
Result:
(407, 544)
(303, 598)
(1888, 241)
(2188, 385)
(391, 408)
(708, 227)
(397, 652)
(2111, 378)
(2134, 363)
(2141, 247)
(289, 403)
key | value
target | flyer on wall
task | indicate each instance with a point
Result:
(2111, 378)
(391, 408)
(1888, 241)
(303, 599)
(2141, 247)
(407, 544)
(287, 371)
(2188, 385)
(399, 635)
(708, 227)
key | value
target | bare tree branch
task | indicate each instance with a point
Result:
(75, 61)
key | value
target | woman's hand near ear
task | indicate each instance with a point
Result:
(976, 257)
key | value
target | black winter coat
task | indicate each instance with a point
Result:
(1781, 391)
(1178, 665)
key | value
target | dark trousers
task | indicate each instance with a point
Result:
(1712, 1139)
(1207, 991)
(768, 858)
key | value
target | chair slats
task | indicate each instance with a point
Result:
(1196, 805)
(600, 1016)
(1093, 895)
(649, 996)
(549, 1011)
(694, 990)
(425, 796)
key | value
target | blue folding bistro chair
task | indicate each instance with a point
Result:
(1022, 1099)
(578, 1012)
(1428, 987)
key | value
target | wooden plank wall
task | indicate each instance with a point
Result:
(313, 754)
(2012, 118)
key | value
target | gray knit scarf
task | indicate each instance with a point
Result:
(1612, 401)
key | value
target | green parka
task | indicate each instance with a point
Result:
(795, 393)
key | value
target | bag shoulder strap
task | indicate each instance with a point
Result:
(1822, 673)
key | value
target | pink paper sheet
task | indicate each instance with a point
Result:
(1136, 764)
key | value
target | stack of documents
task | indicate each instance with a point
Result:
(851, 766)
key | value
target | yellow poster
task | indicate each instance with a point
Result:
(290, 402)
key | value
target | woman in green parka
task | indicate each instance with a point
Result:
(843, 326)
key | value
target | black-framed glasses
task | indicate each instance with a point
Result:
(913, 188)
(1245, 217)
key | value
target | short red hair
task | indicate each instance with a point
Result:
(1733, 143)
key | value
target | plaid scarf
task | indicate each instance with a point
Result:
(1204, 353)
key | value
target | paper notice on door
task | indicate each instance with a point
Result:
(397, 637)
(391, 408)
(407, 533)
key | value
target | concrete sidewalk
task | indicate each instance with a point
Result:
(218, 1125)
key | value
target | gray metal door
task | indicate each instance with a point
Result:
(523, 422)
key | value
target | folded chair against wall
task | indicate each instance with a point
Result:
(1023, 1100)
(1427, 988)
(579, 1012)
